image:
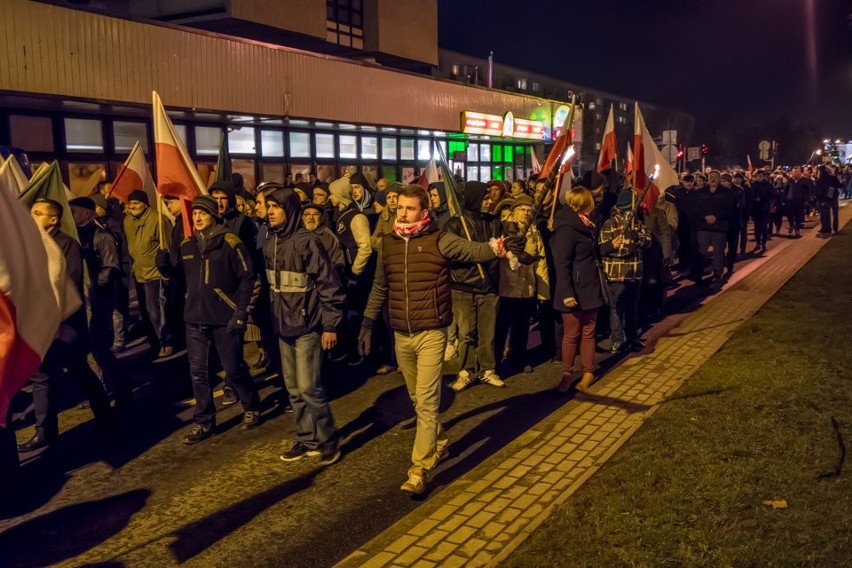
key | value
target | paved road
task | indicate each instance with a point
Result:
(146, 499)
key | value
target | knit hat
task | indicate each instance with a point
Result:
(625, 200)
(207, 204)
(359, 179)
(138, 195)
(382, 198)
(522, 200)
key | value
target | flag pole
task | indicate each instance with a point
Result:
(160, 220)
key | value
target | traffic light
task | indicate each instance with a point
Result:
(704, 149)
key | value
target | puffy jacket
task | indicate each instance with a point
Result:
(143, 242)
(220, 278)
(304, 288)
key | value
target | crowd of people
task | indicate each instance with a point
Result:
(361, 272)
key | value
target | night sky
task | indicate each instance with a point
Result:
(743, 61)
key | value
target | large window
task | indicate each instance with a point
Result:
(242, 141)
(31, 133)
(272, 143)
(84, 135)
(207, 140)
(126, 134)
(345, 22)
(325, 145)
(348, 146)
(300, 145)
(388, 148)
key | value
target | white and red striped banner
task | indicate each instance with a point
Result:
(609, 150)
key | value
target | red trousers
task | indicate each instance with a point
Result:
(579, 331)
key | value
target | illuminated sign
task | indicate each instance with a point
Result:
(559, 118)
(507, 126)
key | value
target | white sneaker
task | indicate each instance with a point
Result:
(463, 381)
(451, 352)
(489, 377)
(416, 482)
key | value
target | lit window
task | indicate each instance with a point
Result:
(300, 144)
(83, 135)
(473, 155)
(522, 84)
(472, 173)
(126, 134)
(242, 141)
(348, 146)
(536, 87)
(272, 143)
(207, 139)
(406, 147)
(369, 148)
(325, 145)
(389, 148)
(485, 153)
(424, 149)
(592, 106)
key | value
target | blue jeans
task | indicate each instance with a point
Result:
(300, 365)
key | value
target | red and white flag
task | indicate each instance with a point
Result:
(536, 165)
(36, 295)
(628, 165)
(750, 166)
(429, 175)
(609, 150)
(176, 173)
(134, 174)
(647, 158)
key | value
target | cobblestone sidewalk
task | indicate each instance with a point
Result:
(484, 516)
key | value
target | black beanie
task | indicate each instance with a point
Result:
(207, 204)
(138, 195)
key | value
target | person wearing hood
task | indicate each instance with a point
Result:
(143, 241)
(622, 240)
(362, 197)
(577, 288)
(306, 297)
(121, 314)
(234, 221)
(439, 208)
(221, 288)
(386, 199)
(413, 277)
(474, 292)
(313, 220)
(67, 353)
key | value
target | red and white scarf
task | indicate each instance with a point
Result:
(408, 230)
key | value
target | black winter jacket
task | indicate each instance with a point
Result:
(220, 279)
(100, 253)
(574, 258)
(305, 290)
(722, 204)
(482, 227)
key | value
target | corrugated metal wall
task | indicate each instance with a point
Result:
(47, 49)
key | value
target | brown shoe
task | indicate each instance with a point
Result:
(585, 382)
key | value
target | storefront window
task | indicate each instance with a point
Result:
(389, 172)
(424, 150)
(389, 148)
(272, 172)
(408, 176)
(83, 135)
(348, 146)
(31, 133)
(242, 141)
(207, 140)
(485, 152)
(325, 145)
(472, 173)
(473, 153)
(272, 143)
(83, 178)
(371, 172)
(369, 148)
(406, 149)
(126, 134)
(508, 154)
(497, 153)
(300, 145)
(484, 173)
(181, 132)
(246, 169)
(303, 169)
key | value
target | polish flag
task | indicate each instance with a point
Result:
(609, 149)
(750, 166)
(536, 165)
(560, 145)
(12, 177)
(647, 157)
(36, 295)
(628, 166)
(429, 175)
(176, 173)
(134, 174)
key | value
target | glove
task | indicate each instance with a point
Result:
(238, 322)
(163, 260)
(515, 245)
(527, 258)
(365, 338)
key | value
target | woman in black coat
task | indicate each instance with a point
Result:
(578, 287)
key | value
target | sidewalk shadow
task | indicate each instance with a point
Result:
(69, 531)
(195, 538)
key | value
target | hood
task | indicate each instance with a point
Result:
(210, 238)
(442, 194)
(474, 194)
(228, 188)
(288, 201)
(342, 190)
(565, 216)
(307, 188)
